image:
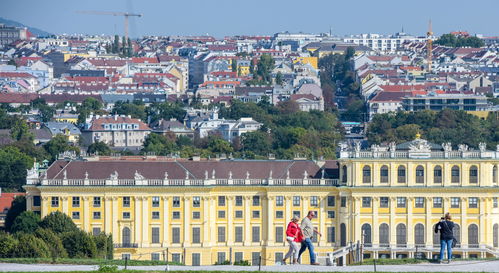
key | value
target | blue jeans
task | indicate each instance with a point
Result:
(307, 243)
(443, 245)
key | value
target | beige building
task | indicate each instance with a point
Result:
(116, 131)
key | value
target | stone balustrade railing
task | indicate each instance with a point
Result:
(184, 182)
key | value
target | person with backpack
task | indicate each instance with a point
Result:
(447, 240)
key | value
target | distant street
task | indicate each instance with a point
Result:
(461, 266)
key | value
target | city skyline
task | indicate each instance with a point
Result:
(221, 17)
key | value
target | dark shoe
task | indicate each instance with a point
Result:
(284, 262)
(448, 261)
(315, 263)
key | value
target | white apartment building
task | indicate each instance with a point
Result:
(381, 42)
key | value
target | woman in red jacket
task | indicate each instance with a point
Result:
(294, 238)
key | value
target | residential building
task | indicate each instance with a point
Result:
(455, 100)
(66, 129)
(116, 131)
(10, 34)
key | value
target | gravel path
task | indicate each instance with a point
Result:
(461, 266)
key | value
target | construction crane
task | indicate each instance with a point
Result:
(429, 46)
(124, 14)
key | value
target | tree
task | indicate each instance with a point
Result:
(218, 145)
(257, 142)
(99, 148)
(234, 65)
(13, 166)
(58, 222)
(53, 242)
(79, 244)
(136, 110)
(26, 222)
(159, 145)
(31, 247)
(58, 145)
(17, 207)
(116, 44)
(278, 78)
(20, 131)
(8, 245)
(452, 40)
(350, 52)
(102, 245)
(288, 107)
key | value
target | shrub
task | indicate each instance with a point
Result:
(53, 242)
(242, 262)
(226, 262)
(26, 222)
(17, 207)
(79, 244)
(58, 222)
(108, 268)
(31, 247)
(8, 245)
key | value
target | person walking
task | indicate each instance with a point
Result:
(294, 237)
(308, 231)
(445, 228)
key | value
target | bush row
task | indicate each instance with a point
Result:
(55, 236)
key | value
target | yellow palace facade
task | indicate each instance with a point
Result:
(202, 212)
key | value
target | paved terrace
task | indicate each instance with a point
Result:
(459, 266)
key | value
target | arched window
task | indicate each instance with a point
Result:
(401, 235)
(419, 174)
(125, 237)
(383, 173)
(437, 174)
(457, 234)
(401, 174)
(494, 174)
(473, 174)
(496, 235)
(455, 174)
(419, 235)
(436, 237)
(366, 232)
(344, 174)
(343, 234)
(473, 236)
(366, 174)
(384, 235)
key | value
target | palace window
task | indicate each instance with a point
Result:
(401, 178)
(196, 215)
(239, 201)
(384, 202)
(126, 201)
(401, 202)
(279, 201)
(331, 201)
(76, 202)
(155, 201)
(419, 174)
(383, 172)
(437, 175)
(75, 215)
(256, 200)
(176, 215)
(314, 201)
(221, 214)
(196, 201)
(454, 202)
(419, 202)
(54, 202)
(97, 202)
(96, 215)
(239, 214)
(366, 202)
(155, 215)
(366, 174)
(473, 202)
(455, 176)
(176, 201)
(279, 214)
(296, 201)
(221, 201)
(473, 174)
(437, 202)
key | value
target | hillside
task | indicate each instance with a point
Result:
(33, 30)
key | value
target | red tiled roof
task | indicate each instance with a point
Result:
(145, 60)
(17, 97)
(15, 75)
(6, 200)
(389, 96)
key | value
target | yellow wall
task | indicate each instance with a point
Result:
(313, 61)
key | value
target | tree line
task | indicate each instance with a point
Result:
(452, 40)
(455, 126)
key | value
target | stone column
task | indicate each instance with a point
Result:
(86, 214)
(482, 235)
(464, 226)
(114, 223)
(187, 221)
(428, 224)
(322, 221)
(357, 232)
(247, 217)
(375, 225)
(29, 202)
(166, 221)
(288, 208)
(230, 219)
(268, 201)
(45, 206)
(207, 221)
(410, 227)
(108, 216)
(146, 215)
(64, 205)
(393, 231)
(137, 220)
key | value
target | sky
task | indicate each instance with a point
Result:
(266, 17)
